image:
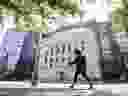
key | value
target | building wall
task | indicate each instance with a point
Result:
(71, 38)
(122, 40)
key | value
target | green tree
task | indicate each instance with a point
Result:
(120, 18)
(117, 21)
(125, 14)
(32, 15)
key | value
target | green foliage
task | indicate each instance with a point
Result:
(120, 20)
(32, 15)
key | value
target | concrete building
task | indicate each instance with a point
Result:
(80, 35)
(85, 34)
(122, 41)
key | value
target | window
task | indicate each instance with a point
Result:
(122, 59)
(91, 1)
(127, 61)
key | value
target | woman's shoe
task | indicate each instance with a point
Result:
(91, 87)
(72, 86)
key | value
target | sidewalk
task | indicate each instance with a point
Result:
(97, 85)
(15, 84)
(104, 89)
(85, 81)
(61, 89)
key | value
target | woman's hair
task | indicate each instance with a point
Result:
(77, 51)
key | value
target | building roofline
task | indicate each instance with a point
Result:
(87, 24)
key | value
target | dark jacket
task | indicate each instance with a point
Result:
(80, 62)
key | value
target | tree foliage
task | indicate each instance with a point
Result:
(32, 15)
(120, 18)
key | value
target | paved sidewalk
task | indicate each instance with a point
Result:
(101, 89)
(61, 89)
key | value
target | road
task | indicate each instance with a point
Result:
(61, 90)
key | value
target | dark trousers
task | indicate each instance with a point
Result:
(83, 74)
